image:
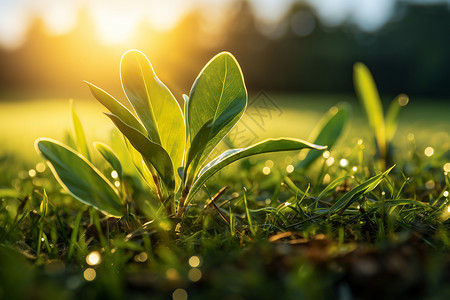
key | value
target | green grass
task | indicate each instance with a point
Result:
(23, 121)
(268, 236)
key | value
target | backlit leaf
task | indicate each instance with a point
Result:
(153, 154)
(154, 104)
(368, 94)
(229, 156)
(109, 155)
(80, 178)
(217, 100)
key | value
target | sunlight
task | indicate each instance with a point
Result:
(94, 258)
(59, 18)
(113, 26)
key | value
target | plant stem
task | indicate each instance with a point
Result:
(181, 202)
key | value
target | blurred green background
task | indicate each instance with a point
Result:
(301, 53)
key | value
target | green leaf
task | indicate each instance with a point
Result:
(44, 205)
(368, 94)
(327, 131)
(356, 193)
(109, 155)
(392, 115)
(80, 137)
(217, 100)
(229, 156)
(80, 178)
(116, 108)
(331, 186)
(153, 154)
(141, 167)
(154, 104)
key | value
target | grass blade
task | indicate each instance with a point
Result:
(267, 146)
(368, 94)
(356, 193)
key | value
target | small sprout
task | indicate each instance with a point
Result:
(429, 151)
(89, 274)
(266, 170)
(290, 168)
(93, 258)
(343, 162)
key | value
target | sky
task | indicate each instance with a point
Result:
(115, 20)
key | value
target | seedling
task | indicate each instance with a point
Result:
(170, 148)
(383, 128)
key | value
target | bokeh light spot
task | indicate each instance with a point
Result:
(89, 274)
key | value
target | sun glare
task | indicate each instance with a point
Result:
(114, 27)
(59, 18)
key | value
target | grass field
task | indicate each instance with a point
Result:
(339, 229)
(22, 121)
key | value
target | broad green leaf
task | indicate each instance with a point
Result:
(116, 108)
(218, 97)
(392, 115)
(327, 131)
(356, 193)
(80, 178)
(229, 156)
(154, 104)
(109, 155)
(153, 154)
(141, 167)
(368, 94)
(186, 113)
(78, 132)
